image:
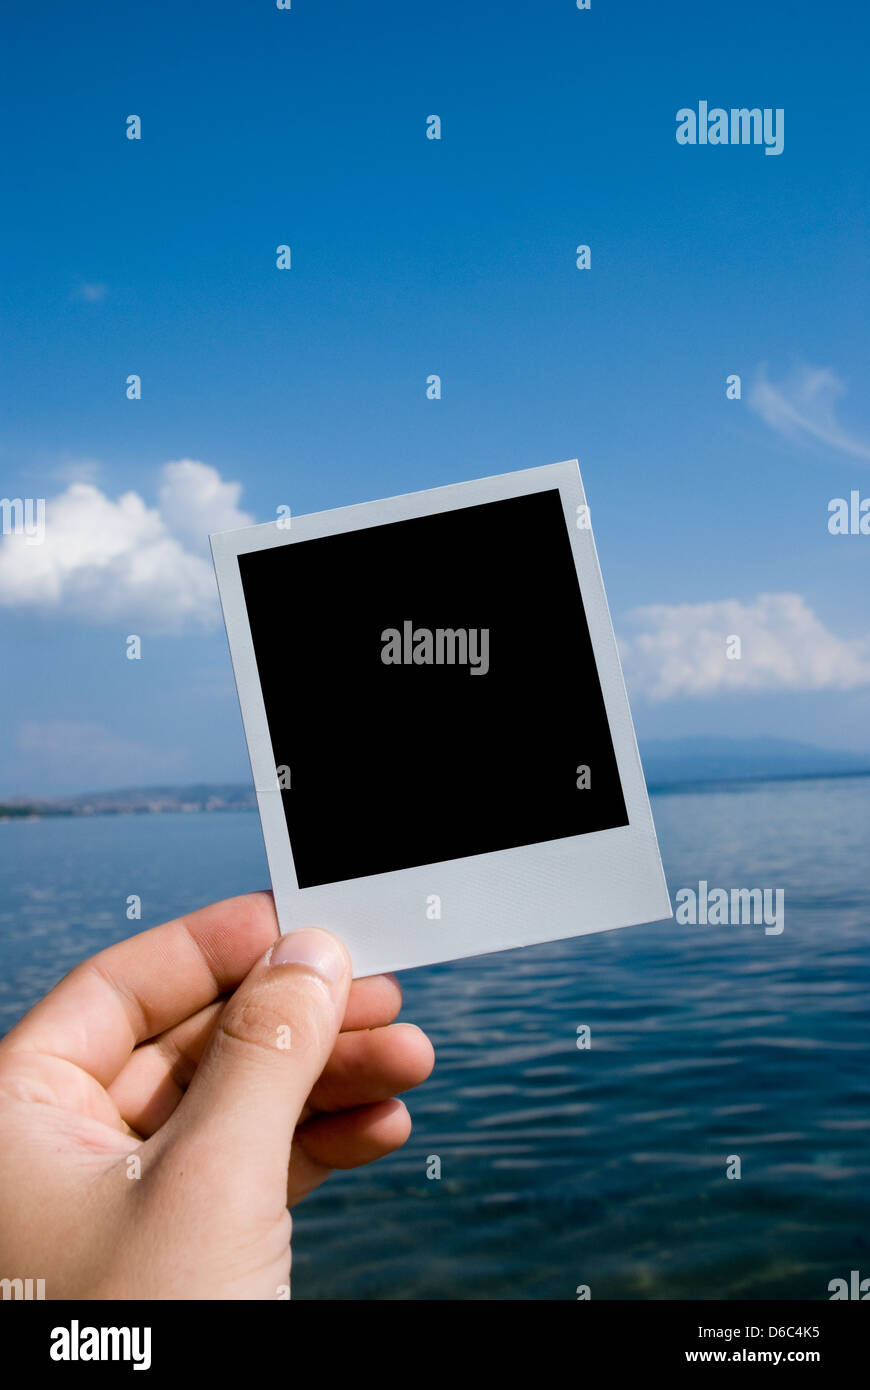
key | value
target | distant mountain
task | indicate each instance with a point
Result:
(670, 762)
(666, 763)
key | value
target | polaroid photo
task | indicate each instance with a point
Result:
(442, 748)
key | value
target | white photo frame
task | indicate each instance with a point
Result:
(497, 900)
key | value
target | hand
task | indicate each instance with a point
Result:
(202, 1052)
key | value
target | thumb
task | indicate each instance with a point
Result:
(271, 1043)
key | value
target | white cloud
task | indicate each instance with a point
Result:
(805, 407)
(122, 561)
(194, 501)
(678, 650)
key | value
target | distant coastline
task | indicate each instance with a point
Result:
(136, 801)
(671, 766)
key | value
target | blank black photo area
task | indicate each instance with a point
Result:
(431, 689)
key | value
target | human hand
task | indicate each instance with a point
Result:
(149, 1102)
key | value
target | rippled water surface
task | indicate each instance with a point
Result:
(559, 1166)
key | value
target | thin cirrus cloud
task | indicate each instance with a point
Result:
(106, 561)
(90, 292)
(804, 407)
(64, 755)
(672, 651)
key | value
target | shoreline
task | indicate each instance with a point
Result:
(22, 812)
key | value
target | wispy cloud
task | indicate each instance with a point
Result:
(804, 407)
(76, 470)
(679, 650)
(122, 561)
(70, 754)
(90, 292)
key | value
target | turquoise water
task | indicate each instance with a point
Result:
(562, 1167)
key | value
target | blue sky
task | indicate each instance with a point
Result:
(410, 257)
